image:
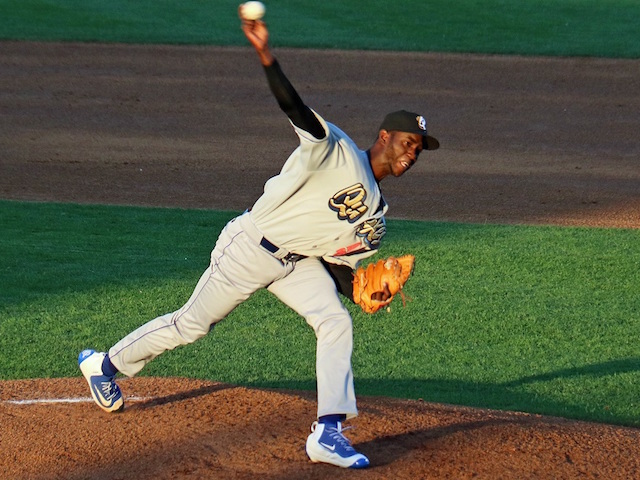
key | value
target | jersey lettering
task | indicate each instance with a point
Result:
(372, 232)
(349, 203)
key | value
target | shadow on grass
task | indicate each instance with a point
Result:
(596, 370)
(53, 249)
(507, 396)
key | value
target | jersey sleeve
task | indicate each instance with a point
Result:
(300, 115)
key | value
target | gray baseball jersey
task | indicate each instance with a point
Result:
(325, 202)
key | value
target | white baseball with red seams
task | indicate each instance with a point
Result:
(252, 10)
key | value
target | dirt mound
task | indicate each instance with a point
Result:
(524, 140)
(177, 428)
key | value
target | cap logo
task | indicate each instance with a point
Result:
(422, 123)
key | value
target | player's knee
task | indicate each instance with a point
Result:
(190, 331)
(335, 326)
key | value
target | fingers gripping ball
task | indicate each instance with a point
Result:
(252, 10)
(369, 284)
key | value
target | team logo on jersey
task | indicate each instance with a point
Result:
(349, 203)
(372, 232)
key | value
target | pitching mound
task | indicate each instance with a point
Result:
(178, 429)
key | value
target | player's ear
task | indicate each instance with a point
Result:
(383, 137)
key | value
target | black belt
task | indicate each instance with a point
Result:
(290, 257)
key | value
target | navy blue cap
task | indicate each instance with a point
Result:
(403, 121)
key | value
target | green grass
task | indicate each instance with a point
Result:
(536, 319)
(528, 27)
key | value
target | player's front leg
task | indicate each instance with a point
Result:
(311, 292)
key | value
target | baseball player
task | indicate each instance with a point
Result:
(301, 240)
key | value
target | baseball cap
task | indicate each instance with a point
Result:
(409, 122)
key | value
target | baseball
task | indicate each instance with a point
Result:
(252, 10)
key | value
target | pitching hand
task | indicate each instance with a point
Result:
(258, 35)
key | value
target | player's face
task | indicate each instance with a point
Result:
(402, 151)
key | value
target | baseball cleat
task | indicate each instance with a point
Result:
(104, 390)
(327, 444)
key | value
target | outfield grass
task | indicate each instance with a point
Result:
(529, 27)
(537, 319)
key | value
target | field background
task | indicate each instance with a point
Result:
(529, 27)
(538, 318)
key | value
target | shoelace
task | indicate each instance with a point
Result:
(108, 390)
(336, 435)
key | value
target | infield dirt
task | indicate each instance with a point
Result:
(524, 141)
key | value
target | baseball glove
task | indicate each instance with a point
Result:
(369, 284)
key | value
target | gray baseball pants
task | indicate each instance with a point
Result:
(239, 267)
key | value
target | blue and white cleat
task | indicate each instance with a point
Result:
(327, 444)
(104, 390)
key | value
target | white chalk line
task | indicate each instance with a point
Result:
(39, 401)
